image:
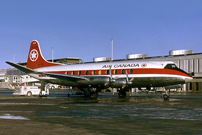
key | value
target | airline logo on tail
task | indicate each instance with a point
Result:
(33, 55)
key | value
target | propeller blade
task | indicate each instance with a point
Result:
(110, 72)
(126, 77)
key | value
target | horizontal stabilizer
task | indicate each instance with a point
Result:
(20, 67)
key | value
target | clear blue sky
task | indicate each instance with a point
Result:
(83, 28)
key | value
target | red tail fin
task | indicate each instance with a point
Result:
(35, 57)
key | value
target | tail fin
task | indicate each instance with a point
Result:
(35, 58)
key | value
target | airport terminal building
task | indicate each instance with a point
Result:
(184, 59)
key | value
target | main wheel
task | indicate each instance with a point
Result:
(29, 93)
(93, 95)
(122, 94)
(165, 96)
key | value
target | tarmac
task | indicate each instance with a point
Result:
(137, 114)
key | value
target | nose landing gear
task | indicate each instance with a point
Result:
(166, 96)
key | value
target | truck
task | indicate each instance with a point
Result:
(30, 91)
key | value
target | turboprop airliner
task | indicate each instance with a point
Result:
(92, 77)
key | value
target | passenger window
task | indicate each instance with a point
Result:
(107, 72)
(122, 71)
(86, 72)
(79, 72)
(131, 71)
(115, 71)
(100, 72)
(93, 72)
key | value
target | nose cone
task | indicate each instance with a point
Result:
(188, 79)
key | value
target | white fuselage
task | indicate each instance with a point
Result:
(145, 73)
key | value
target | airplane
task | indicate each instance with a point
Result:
(92, 77)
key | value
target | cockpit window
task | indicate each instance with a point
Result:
(171, 66)
(174, 67)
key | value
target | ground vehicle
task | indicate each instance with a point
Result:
(29, 91)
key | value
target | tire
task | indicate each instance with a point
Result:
(165, 97)
(29, 93)
(93, 95)
(122, 94)
(40, 94)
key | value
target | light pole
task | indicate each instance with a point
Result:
(112, 49)
(52, 53)
(14, 58)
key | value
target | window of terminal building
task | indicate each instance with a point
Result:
(181, 64)
(190, 65)
(186, 65)
(197, 86)
(178, 63)
(200, 86)
(200, 65)
(195, 65)
(190, 86)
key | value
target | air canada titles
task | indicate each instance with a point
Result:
(120, 65)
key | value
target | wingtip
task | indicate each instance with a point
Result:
(8, 62)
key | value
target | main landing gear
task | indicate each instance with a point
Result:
(90, 92)
(166, 96)
(94, 95)
(122, 94)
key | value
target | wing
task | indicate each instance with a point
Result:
(65, 77)
(57, 76)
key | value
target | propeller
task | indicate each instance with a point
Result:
(127, 82)
(111, 80)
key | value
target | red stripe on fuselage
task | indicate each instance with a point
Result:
(122, 72)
